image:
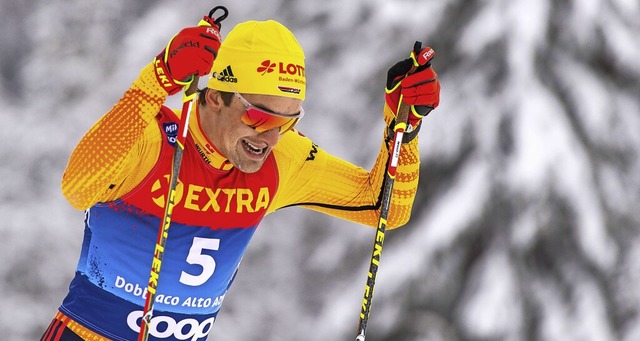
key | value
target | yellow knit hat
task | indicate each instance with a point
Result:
(260, 57)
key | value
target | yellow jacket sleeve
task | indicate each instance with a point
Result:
(312, 178)
(120, 149)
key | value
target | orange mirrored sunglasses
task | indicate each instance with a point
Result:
(262, 120)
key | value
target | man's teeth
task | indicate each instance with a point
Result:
(252, 148)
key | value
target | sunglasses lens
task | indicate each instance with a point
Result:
(289, 125)
(262, 121)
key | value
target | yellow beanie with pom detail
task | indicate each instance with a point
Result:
(260, 57)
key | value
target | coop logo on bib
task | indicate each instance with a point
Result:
(165, 327)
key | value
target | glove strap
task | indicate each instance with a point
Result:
(163, 76)
(420, 111)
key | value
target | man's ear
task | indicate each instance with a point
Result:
(213, 99)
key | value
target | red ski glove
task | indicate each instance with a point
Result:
(414, 82)
(190, 52)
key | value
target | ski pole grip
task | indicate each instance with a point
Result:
(193, 86)
(403, 113)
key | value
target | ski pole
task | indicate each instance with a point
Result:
(188, 100)
(399, 130)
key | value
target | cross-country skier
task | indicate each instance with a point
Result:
(242, 160)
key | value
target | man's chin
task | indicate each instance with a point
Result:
(248, 166)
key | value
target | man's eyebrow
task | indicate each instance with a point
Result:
(261, 106)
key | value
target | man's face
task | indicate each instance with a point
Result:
(244, 147)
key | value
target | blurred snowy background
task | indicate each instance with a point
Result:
(526, 222)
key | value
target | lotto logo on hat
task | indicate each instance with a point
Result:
(290, 75)
(283, 68)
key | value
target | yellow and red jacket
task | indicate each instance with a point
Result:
(119, 173)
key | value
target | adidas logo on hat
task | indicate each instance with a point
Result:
(227, 75)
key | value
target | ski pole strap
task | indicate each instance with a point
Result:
(191, 90)
(410, 134)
